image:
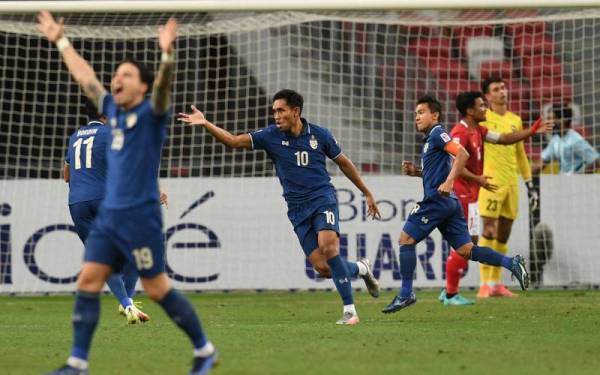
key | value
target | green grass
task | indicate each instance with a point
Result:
(542, 332)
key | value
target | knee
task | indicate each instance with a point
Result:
(156, 288)
(89, 282)
(406, 239)
(328, 250)
(465, 251)
(489, 231)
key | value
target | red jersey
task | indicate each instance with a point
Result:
(472, 140)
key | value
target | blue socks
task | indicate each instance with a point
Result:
(130, 278)
(341, 278)
(408, 263)
(352, 269)
(486, 255)
(116, 286)
(181, 311)
(85, 319)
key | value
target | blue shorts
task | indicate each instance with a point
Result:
(443, 213)
(132, 235)
(83, 215)
(311, 218)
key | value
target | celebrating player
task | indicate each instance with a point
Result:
(128, 227)
(499, 208)
(85, 171)
(299, 151)
(440, 208)
(469, 134)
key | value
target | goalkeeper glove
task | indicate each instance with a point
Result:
(533, 196)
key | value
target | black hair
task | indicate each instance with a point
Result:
(466, 100)
(433, 104)
(291, 97)
(485, 86)
(91, 111)
(146, 75)
(564, 113)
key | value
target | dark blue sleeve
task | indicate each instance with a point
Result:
(439, 138)
(107, 103)
(332, 148)
(260, 138)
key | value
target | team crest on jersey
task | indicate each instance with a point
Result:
(113, 122)
(313, 142)
(513, 127)
(131, 120)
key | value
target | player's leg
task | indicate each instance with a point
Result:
(180, 310)
(504, 229)
(490, 204)
(456, 266)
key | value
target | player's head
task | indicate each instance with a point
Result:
(495, 91)
(471, 105)
(562, 116)
(130, 83)
(287, 108)
(92, 112)
(427, 113)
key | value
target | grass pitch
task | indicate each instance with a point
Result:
(541, 332)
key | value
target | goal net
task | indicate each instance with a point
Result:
(360, 74)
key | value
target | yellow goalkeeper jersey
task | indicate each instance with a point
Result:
(504, 162)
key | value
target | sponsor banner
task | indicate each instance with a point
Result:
(233, 233)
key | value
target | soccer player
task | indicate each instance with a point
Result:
(573, 153)
(299, 150)
(440, 208)
(128, 227)
(85, 171)
(469, 134)
(502, 163)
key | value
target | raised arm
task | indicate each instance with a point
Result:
(538, 127)
(162, 85)
(82, 72)
(196, 118)
(460, 160)
(349, 169)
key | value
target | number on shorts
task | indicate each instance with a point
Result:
(329, 217)
(143, 258)
(492, 205)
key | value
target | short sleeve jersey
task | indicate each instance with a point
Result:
(134, 154)
(86, 157)
(472, 140)
(571, 151)
(501, 160)
(435, 161)
(300, 162)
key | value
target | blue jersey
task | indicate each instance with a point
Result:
(435, 161)
(86, 157)
(134, 154)
(300, 162)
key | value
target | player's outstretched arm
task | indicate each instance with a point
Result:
(460, 161)
(538, 127)
(409, 168)
(196, 118)
(161, 91)
(347, 166)
(82, 72)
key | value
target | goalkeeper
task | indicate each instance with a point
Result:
(502, 163)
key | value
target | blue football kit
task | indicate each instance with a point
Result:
(128, 228)
(436, 210)
(300, 164)
(86, 157)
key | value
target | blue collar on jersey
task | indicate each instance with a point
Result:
(305, 126)
(433, 127)
(94, 122)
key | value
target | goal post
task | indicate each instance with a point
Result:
(360, 72)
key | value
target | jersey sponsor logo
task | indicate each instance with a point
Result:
(445, 137)
(131, 120)
(118, 139)
(313, 142)
(425, 148)
(285, 143)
